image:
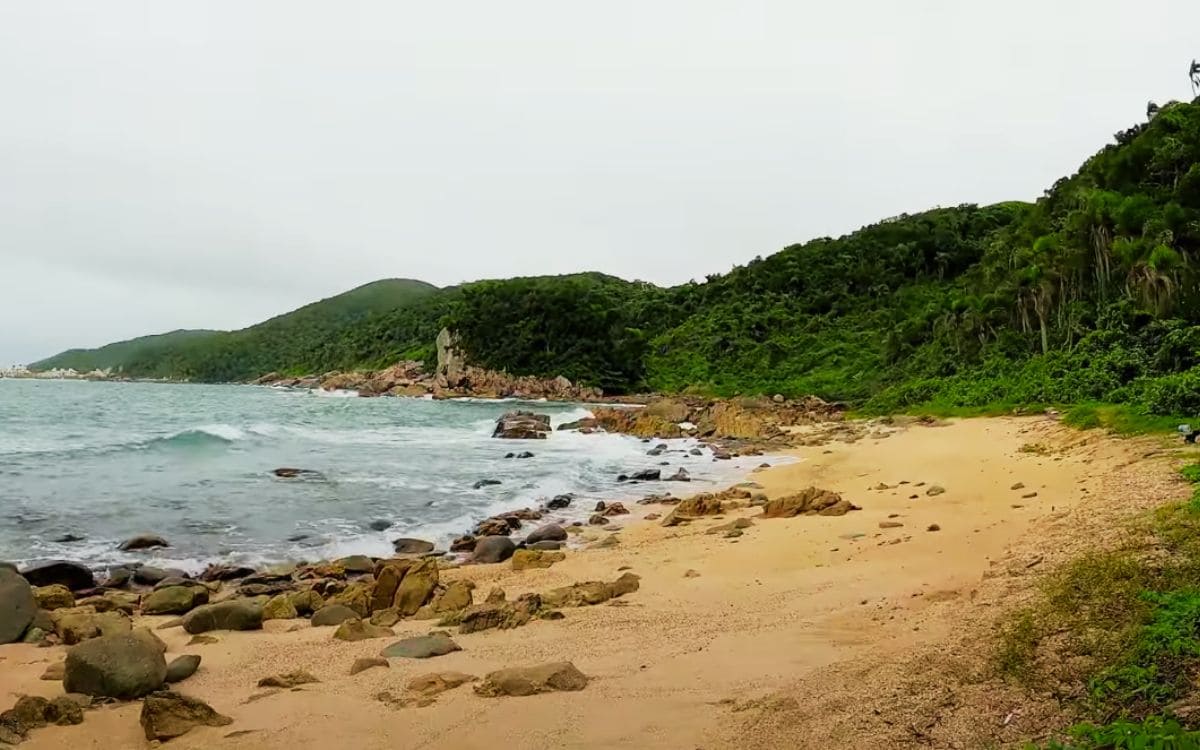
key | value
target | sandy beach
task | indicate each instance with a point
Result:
(867, 630)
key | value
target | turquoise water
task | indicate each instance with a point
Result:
(105, 461)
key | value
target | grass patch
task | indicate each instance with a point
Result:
(1118, 634)
(1122, 419)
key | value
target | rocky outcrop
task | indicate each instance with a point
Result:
(522, 425)
(17, 605)
(404, 585)
(167, 715)
(808, 502)
(522, 681)
(590, 592)
(123, 666)
(754, 419)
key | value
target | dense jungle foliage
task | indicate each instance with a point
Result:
(1088, 294)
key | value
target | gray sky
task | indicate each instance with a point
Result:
(209, 164)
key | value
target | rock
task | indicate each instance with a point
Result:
(333, 614)
(280, 607)
(27, 714)
(590, 593)
(65, 710)
(167, 715)
(1018, 486)
(627, 583)
(234, 614)
(495, 527)
(225, 573)
(456, 596)
(288, 679)
(55, 596)
(406, 546)
(681, 475)
(890, 524)
(357, 630)
(933, 527)
(522, 425)
(422, 646)
(142, 541)
(808, 502)
(657, 450)
(55, 672)
(417, 586)
(691, 574)
(549, 532)
(304, 602)
(493, 549)
(485, 483)
(120, 666)
(559, 501)
(74, 576)
(387, 581)
(118, 577)
(465, 543)
(608, 541)
(495, 596)
(79, 624)
(646, 475)
(356, 596)
(433, 683)
(545, 545)
(696, 452)
(524, 454)
(614, 509)
(598, 519)
(736, 524)
(288, 472)
(385, 617)
(68, 538)
(497, 615)
(522, 681)
(174, 600)
(17, 605)
(935, 490)
(356, 564)
(150, 575)
(380, 525)
(182, 667)
(364, 663)
(202, 640)
(525, 559)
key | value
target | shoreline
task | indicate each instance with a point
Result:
(725, 638)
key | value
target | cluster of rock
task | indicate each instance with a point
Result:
(758, 420)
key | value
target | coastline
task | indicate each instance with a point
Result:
(781, 637)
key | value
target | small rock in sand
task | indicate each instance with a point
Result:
(890, 524)
(422, 647)
(167, 715)
(522, 681)
(933, 527)
(691, 574)
(182, 667)
(935, 490)
(288, 679)
(1018, 486)
(368, 662)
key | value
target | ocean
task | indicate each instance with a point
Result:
(105, 461)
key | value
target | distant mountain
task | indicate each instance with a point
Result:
(299, 341)
(116, 354)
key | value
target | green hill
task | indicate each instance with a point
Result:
(116, 354)
(311, 338)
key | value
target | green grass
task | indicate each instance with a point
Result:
(1123, 419)
(1120, 632)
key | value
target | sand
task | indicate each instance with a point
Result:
(807, 632)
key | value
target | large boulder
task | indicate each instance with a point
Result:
(305, 602)
(522, 425)
(174, 600)
(73, 575)
(543, 678)
(356, 596)
(235, 614)
(123, 666)
(388, 576)
(333, 614)
(493, 549)
(525, 559)
(357, 630)
(417, 586)
(79, 624)
(809, 502)
(280, 607)
(17, 605)
(55, 596)
(549, 533)
(422, 646)
(167, 715)
(456, 596)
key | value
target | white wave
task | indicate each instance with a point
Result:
(335, 393)
(220, 430)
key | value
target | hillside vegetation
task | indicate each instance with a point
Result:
(116, 354)
(1087, 294)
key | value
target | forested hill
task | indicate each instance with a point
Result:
(301, 340)
(1089, 293)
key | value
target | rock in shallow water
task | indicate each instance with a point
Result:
(74, 576)
(522, 425)
(142, 541)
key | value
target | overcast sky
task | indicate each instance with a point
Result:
(209, 164)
